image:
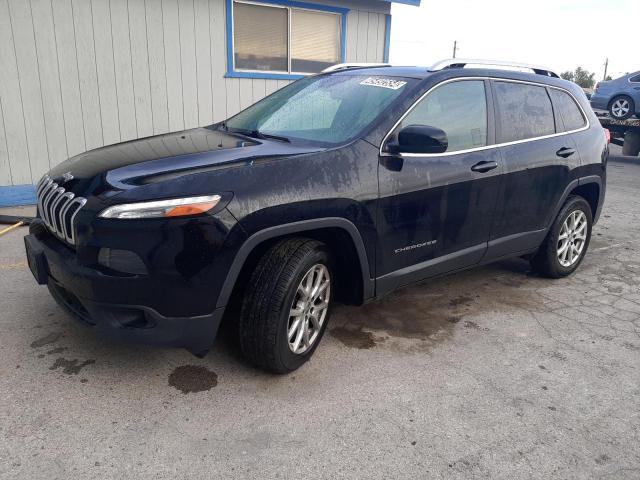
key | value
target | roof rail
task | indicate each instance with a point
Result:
(347, 66)
(497, 64)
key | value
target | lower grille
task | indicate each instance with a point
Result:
(58, 209)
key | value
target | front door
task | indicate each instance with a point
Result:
(436, 210)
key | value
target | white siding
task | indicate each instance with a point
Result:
(80, 74)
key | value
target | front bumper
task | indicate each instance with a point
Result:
(80, 291)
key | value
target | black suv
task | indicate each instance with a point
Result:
(342, 186)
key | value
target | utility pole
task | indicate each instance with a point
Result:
(455, 47)
(606, 64)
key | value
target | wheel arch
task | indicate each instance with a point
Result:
(590, 191)
(618, 95)
(590, 188)
(342, 237)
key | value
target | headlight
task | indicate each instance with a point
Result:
(177, 207)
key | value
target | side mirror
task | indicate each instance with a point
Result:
(419, 139)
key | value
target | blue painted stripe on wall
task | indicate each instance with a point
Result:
(415, 3)
(17, 195)
(387, 38)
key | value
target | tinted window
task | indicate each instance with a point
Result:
(635, 79)
(458, 108)
(329, 109)
(524, 111)
(568, 110)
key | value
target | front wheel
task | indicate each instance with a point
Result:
(287, 305)
(567, 241)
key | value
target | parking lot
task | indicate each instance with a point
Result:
(492, 373)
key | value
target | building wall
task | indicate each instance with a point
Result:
(79, 74)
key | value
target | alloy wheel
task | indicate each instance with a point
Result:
(572, 238)
(309, 309)
(620, 107)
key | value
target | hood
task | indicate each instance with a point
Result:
(155, 159)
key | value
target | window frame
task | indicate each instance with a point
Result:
(289, 5)
(492, 116)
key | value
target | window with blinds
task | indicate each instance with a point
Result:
(279, 39)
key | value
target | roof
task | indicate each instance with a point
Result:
(422, 72)
(452, 65)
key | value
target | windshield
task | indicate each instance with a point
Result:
(329, 109)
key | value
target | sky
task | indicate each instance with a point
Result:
(558, 34)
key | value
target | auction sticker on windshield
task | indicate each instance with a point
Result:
(384, 83)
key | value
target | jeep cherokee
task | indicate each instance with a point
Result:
(340, 187)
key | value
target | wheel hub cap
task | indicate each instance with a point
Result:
(572, 238)
(309, 309)
(620, 108)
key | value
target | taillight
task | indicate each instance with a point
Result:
(607, 135)
(597, 86)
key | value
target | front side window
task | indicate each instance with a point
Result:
(524, 111)
(458, 108)
(328, 109)
(568, 110)
(280, 39)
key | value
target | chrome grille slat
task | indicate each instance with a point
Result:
(58, 208)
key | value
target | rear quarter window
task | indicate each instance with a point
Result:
(567, 110)
(524, 111)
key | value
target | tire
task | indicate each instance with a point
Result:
(623, 107)
(547, 260)
(631, 145)
(272, 289)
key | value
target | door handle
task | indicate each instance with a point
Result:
(565, 152)
(484, 166)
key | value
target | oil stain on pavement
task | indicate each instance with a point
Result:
(355, 338)
(46, 340)
(70, 367)
(432, 312)
(192, 378)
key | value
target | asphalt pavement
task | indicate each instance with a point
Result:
(492, 373)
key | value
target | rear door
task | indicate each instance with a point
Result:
(538, 163)
(435, 210)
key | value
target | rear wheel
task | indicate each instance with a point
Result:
(622, 107)
(631, 145)
(567, 241)
(287, 305)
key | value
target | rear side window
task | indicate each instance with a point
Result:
(458, 108)
(568, 110)
(524, 111)
(635, 79)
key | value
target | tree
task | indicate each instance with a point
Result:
(608, 78)
(584, 78)
(568, 75)
(580, 76)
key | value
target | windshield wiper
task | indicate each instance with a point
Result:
(255, 133)
(260, 134)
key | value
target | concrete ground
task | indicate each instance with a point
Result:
(493, 373)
